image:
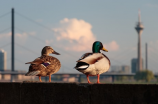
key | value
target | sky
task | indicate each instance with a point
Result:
(71, 26)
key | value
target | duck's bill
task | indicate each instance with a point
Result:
(56, 53)
(104, 49)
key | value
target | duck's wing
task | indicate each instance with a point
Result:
(35, 67)
(36, 61)
(81, 66)
(50, 63)
(87, 59)
(90, 58)
(84, 56)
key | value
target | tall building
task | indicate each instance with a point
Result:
(134, 65)
(139, 28)
(3, 60)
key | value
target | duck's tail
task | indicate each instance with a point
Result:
(32, 73)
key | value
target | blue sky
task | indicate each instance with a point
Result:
(71, 26)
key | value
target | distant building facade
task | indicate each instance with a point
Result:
(120, 69)
(134, 65)
(115, 68)
(126, 69)
(3, 60)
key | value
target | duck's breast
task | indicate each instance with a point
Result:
(102, 65)
(54, 65)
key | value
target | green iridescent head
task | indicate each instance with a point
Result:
(97, 46)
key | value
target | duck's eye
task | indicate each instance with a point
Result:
(98, 45)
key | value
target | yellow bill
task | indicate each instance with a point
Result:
(104, 49)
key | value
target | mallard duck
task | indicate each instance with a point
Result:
(94, 64)
(44, 65)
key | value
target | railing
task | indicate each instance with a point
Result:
(60, 77)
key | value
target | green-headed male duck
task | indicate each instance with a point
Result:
(94, 64)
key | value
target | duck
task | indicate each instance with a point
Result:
(45, 65)
(94, 63)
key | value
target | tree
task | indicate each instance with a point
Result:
(144, 75)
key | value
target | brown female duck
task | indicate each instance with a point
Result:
(45, 65)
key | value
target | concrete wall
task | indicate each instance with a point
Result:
(72, 93)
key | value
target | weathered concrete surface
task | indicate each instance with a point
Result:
(9, 93)
(72, 93)
(54, 93)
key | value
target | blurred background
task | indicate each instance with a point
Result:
(70, 28)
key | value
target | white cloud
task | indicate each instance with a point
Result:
(76, 34)
(112, 46)
(5, 35)
(21, 37)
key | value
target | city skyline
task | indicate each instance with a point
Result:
(109, 22)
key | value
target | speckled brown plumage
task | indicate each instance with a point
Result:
(50, 69)
(45, 65)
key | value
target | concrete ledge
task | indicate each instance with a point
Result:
(72, 93)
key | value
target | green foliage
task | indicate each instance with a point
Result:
(144, 75)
